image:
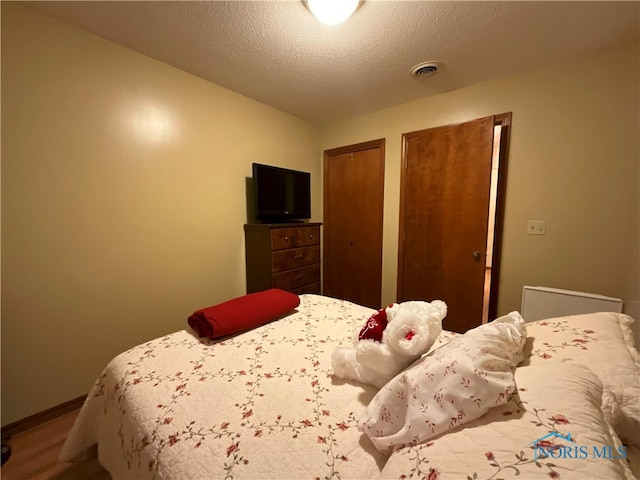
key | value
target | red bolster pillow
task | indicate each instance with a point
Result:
(242, 313)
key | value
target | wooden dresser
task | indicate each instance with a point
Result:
(283, 255)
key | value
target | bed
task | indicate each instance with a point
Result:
(264, 404)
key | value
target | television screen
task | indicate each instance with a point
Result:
(281, 194)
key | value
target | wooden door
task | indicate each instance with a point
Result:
(353, 214)
(445, 191)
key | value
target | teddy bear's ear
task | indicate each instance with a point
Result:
(391, 310)
(440, 308)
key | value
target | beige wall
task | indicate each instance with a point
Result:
(573, 162)
(123, 191)
(123, 200)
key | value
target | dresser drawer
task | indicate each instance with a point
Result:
(294, 258)
(298, 278)
(283, 238)
(308, 236)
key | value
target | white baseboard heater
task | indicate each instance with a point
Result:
(543, 302)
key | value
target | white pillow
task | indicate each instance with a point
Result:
(448, 387)
(562, 398)
(604, 343)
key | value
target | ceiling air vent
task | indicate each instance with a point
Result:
(424, 70)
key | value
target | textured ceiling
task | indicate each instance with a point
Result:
(278, 53)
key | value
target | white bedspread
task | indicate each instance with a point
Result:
(264, 404)
(261, 404)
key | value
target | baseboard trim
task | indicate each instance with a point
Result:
(41, 417)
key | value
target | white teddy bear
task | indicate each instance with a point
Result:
(390, 340)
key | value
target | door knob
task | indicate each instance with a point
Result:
(476, 254)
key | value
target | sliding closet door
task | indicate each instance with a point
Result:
(352, 231)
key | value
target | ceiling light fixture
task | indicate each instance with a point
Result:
(332, 12)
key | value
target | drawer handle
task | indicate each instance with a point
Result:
(286, 239)
(310, 235)
(297, 257)
(298, 277)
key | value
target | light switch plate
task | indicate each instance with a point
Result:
(536, 227)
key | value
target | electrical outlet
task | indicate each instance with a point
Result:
(536, 227)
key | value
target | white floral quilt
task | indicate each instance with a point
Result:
(264, 404)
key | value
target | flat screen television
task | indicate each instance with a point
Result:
(281, 194)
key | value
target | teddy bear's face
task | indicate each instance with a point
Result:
(407, 328)
(414, 327)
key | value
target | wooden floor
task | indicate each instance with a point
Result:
(34, 455)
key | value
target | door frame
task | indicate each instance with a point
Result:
(504, 121)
